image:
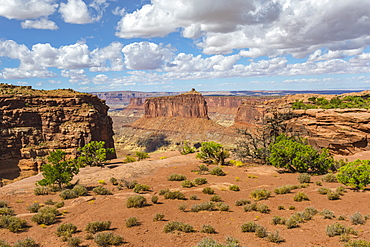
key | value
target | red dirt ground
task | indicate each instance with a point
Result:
(154, 172)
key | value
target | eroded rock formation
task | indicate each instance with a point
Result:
(34, 122)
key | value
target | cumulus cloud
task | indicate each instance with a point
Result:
(263, 27)
(27, 9)
(75, 11)
(42, 23)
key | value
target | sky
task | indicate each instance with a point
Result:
(176, 45)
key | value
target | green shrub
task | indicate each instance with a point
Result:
(217, 171)
(208, 242)
(74, 241)
(6, 211)
(301, 196)
(100, 190)
(176, 177)
(357, 219)
(162, 192)
(183, 207)
(291, 153)
(49, 202)
(311, 210)
(44, 218)
(291, 223)
(186, 149)
(342, 217)
(154, 199)
(132, 221)
(242, 202)
(262, 208)
(41, 190)
(340, 190)
(274, 237)
(158, 217)
(208, 229)
(260, 194)
(174, 195)
(3, 243)
(141, 155)
(66, 230)
(177, 226)
(12, 223)
(338, 229)
(304, 178)
(324, 191)
(129, 184)
(80, 190)
(355, 174)
(222, 206)
(283, 189)
(357, 243)
(249, 227)
(208, 190)
(330, 178)
(187, 184)
(141, 187)
(206, 206)
(202, 169)
(68, 194)
(200, 181)
(333, 196)
(234, 187)
(327, 214)
(129, 159)
(278, 220)
(97, 226)
(261, 231)
(216, 198)
(49, 209)
(33, 208)
(104, 239)
(113, 181)
(291, 208)
(59, 204)
(136, 201)
(3, 204)
(27, 242)
(281, 207)
(318, 183)
(213, 152)
(193, 197)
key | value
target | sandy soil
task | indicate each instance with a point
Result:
(154, 172)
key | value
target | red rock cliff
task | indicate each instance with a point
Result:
(34, 122)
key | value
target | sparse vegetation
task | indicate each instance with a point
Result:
(33, 208)
(129, 159)
(217, 171)
(304, 178)
(187, 184)
(249, 227)
(242, 202)
(260, 194)
(104, 239)
(176, 177)
(141, 155)
(97, 226)
(329, 178)
(208, 229)
(186, 149)
(333, 196)
(68, 194)
(66, 230)
(27, 242)
(338, 229)
(213, 152)
(234, 187)
(200, 181)
(327, 214)
(174, 195)
(158, 217)
(274, 237)
(100, 190)
(216, 198)
(12, 223)
(131, 222)
(141, 187)
(300, 196)
(357, 219)
(208, 190)
(136, 202)
(177, 226)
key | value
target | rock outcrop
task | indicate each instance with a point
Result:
(34, 122)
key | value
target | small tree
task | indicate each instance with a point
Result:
(59, 171)
(213, 152)
(93, 154)
(355, 174)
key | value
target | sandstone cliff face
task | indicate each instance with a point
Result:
(34, 122)
(249, 114)
(188, 105)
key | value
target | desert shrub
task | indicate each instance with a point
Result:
(342, 217)
(40, 190)
(249, 227)
(136, 201)
(113, 181)
(323, 190)
(206, 206)
(80, 190)
(74, 241)
(27, 242)
(291, 208)
(234, 187)
(97, 226)
(44, 218)
(216, 198)
(262, 208)
(176, 177)
(355, 174)
(129, 159)
(250, 207)
(158, 217)
(242, 202)
(274, 237)
(281, 207)
(200, 181)
(327, 214)
(340, 190)
(49, 209)
(217, 171)
(291, 223)
(141, 155)
(283, 189)
(236, 163)
(68, 194)
(301, 196)
(33, 208)
(213, 152)
(357, 243)
(333, 196)
(357, 219)
(132, 221)
(202, 169)
(344, 237)
(311, 210)
(222, 206)
(330, 178)
(66, 230)
(141, 187)
(100, 190)
(338, 229)
(104, 239)
(6, 211)
(187, 184)
(129, 184)
(186, 149)
(174, 195)
(278, 220)
(177, 226)
(260, 194)
(318, 183)
(154, 199)
(304, 178)
(183, 207)
(305, 185)
(12, 223)
(208, 190)
(162, 192)
(3, 243)
(3, 204)
(93, 154)
(208, 229)
(291, 153)
(59, 204)
(193, 197)
(261, 231)
(49, 202)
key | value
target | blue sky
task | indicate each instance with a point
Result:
(176, 45)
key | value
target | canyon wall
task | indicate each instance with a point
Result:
(35, 122)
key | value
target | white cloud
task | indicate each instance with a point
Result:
(42, 23)
(109, 58)
(27, 9)
(76, 76)
(75, 11)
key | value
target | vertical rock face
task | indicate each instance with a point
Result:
(249, 114)
(188, 105)
(33, 123)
